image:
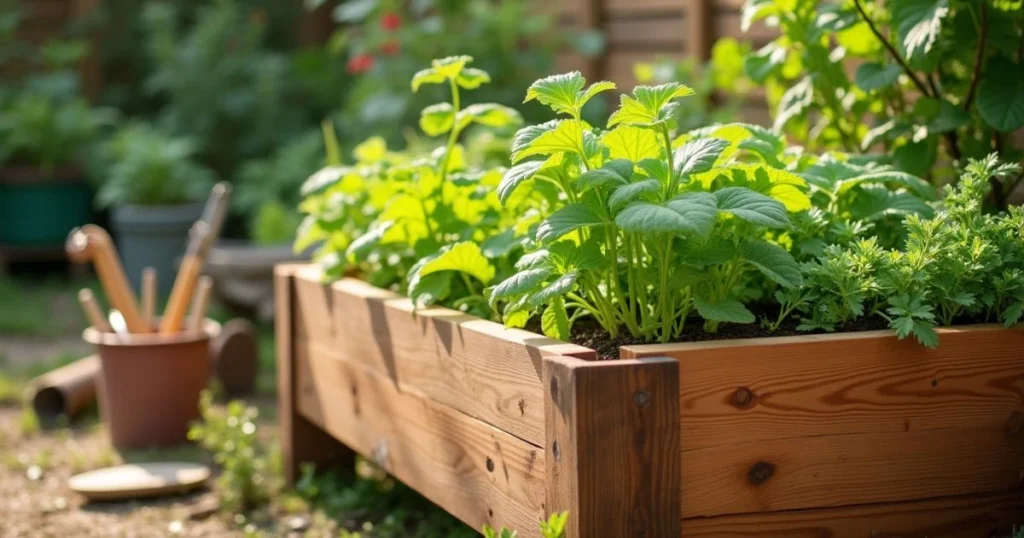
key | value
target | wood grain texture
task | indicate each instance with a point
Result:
(976, 516)
(476, 472)
(301, 440)
(612, 448)
(845, 419)
(475, 366)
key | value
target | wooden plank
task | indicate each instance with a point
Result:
(700, 27)
(644, 7)
(473, 365)
(957, 517)
(314, 305)
(612, 449)
(476, 472)
(843, 419)
(661, 34)
(301, 441)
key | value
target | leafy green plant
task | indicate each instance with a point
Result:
(249, 474)
(554, 527)
(427, 223)
(935, 80)
(960, 264)
(142, 165)
(649, 229)
(46, 131)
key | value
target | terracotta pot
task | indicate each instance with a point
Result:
(150, 384)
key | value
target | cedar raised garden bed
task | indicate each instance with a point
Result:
(847, 435)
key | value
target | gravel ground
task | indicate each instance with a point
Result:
(35, 501)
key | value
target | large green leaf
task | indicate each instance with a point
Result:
(631, 142)
(752, 207)
(441, 70)
(1001, 95)
(727, 310)
(535, 259)
(522, 282)
(564, 93)
(465, 257)
(559, 287)
(627, 193)
(689, 213)
(913, 183)
(515, 176)
(472, 78)
(565, 220)
(781, 185)
(698, 155)
(425, 290)
(918, 23)
(436, 120)
(566, 137)
(615, 172)
(555, 320)
(773, 261)
(704, 251)
(875, 76)
(648, 104)
(489, 114)
(525, 136)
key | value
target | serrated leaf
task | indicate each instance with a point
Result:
(688, 213)
(531, 260)
(490, 115)
(425, 290)
(559, 287)
(465, 257)
(565, 220)
(875, 76)
(522, 282)
(648, 104)
(1012, 314)
(323, 178)
(558, 92)
(698, 155)
(913, 183)
(567, 255)
(773, 261)
(655, 169)
(500, 245)
(925, 333)
(436, 120)
(631, 142)
(555, 321)
(726, 310)
(627, 193)
(752, 207)
(515, 176)
(704, 251)
(525, 136)
(566, 137)
(1001, 95)
(471, 78)
(781, 185)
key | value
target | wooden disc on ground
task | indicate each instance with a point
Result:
(139, 480)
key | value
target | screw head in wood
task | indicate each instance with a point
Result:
(760, 472)
(641, 398)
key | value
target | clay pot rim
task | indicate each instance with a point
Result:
(93, 336)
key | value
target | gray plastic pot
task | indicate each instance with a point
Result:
(153, 236)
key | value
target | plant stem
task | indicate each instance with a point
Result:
(892, 50)
(979, 56)
(453, 135)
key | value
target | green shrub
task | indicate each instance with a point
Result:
(933, 78)
(143, 165)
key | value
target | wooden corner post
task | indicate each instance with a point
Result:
(613, 453)
(301, 440)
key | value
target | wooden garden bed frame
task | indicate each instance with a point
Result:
(849, 435)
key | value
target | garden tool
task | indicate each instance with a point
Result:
(92, 310)
(117, 322)
(200, 304)
(92, 243)
(201, 238)
(148, 295)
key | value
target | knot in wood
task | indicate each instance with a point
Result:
(1014, 424)
(490, 465)
(760, 472)
(556, 451)
(743, 398)
(641, 398)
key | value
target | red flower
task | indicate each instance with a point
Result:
(390, 21)
(390, 47)
(360, 63)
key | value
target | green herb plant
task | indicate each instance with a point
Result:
(644, 233)
(959, 265)
(427, 224)
(554, 527)
(935, 80)
(143, 165)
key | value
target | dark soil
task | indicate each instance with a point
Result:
(589, 334)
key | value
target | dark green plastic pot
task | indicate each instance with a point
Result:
(38, 210)
(153, 236)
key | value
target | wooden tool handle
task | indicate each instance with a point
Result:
(148, 295)
(204, 232)
(200, 304)
(91, 242)
(92, 311)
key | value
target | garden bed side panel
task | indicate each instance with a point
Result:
(823, 421)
